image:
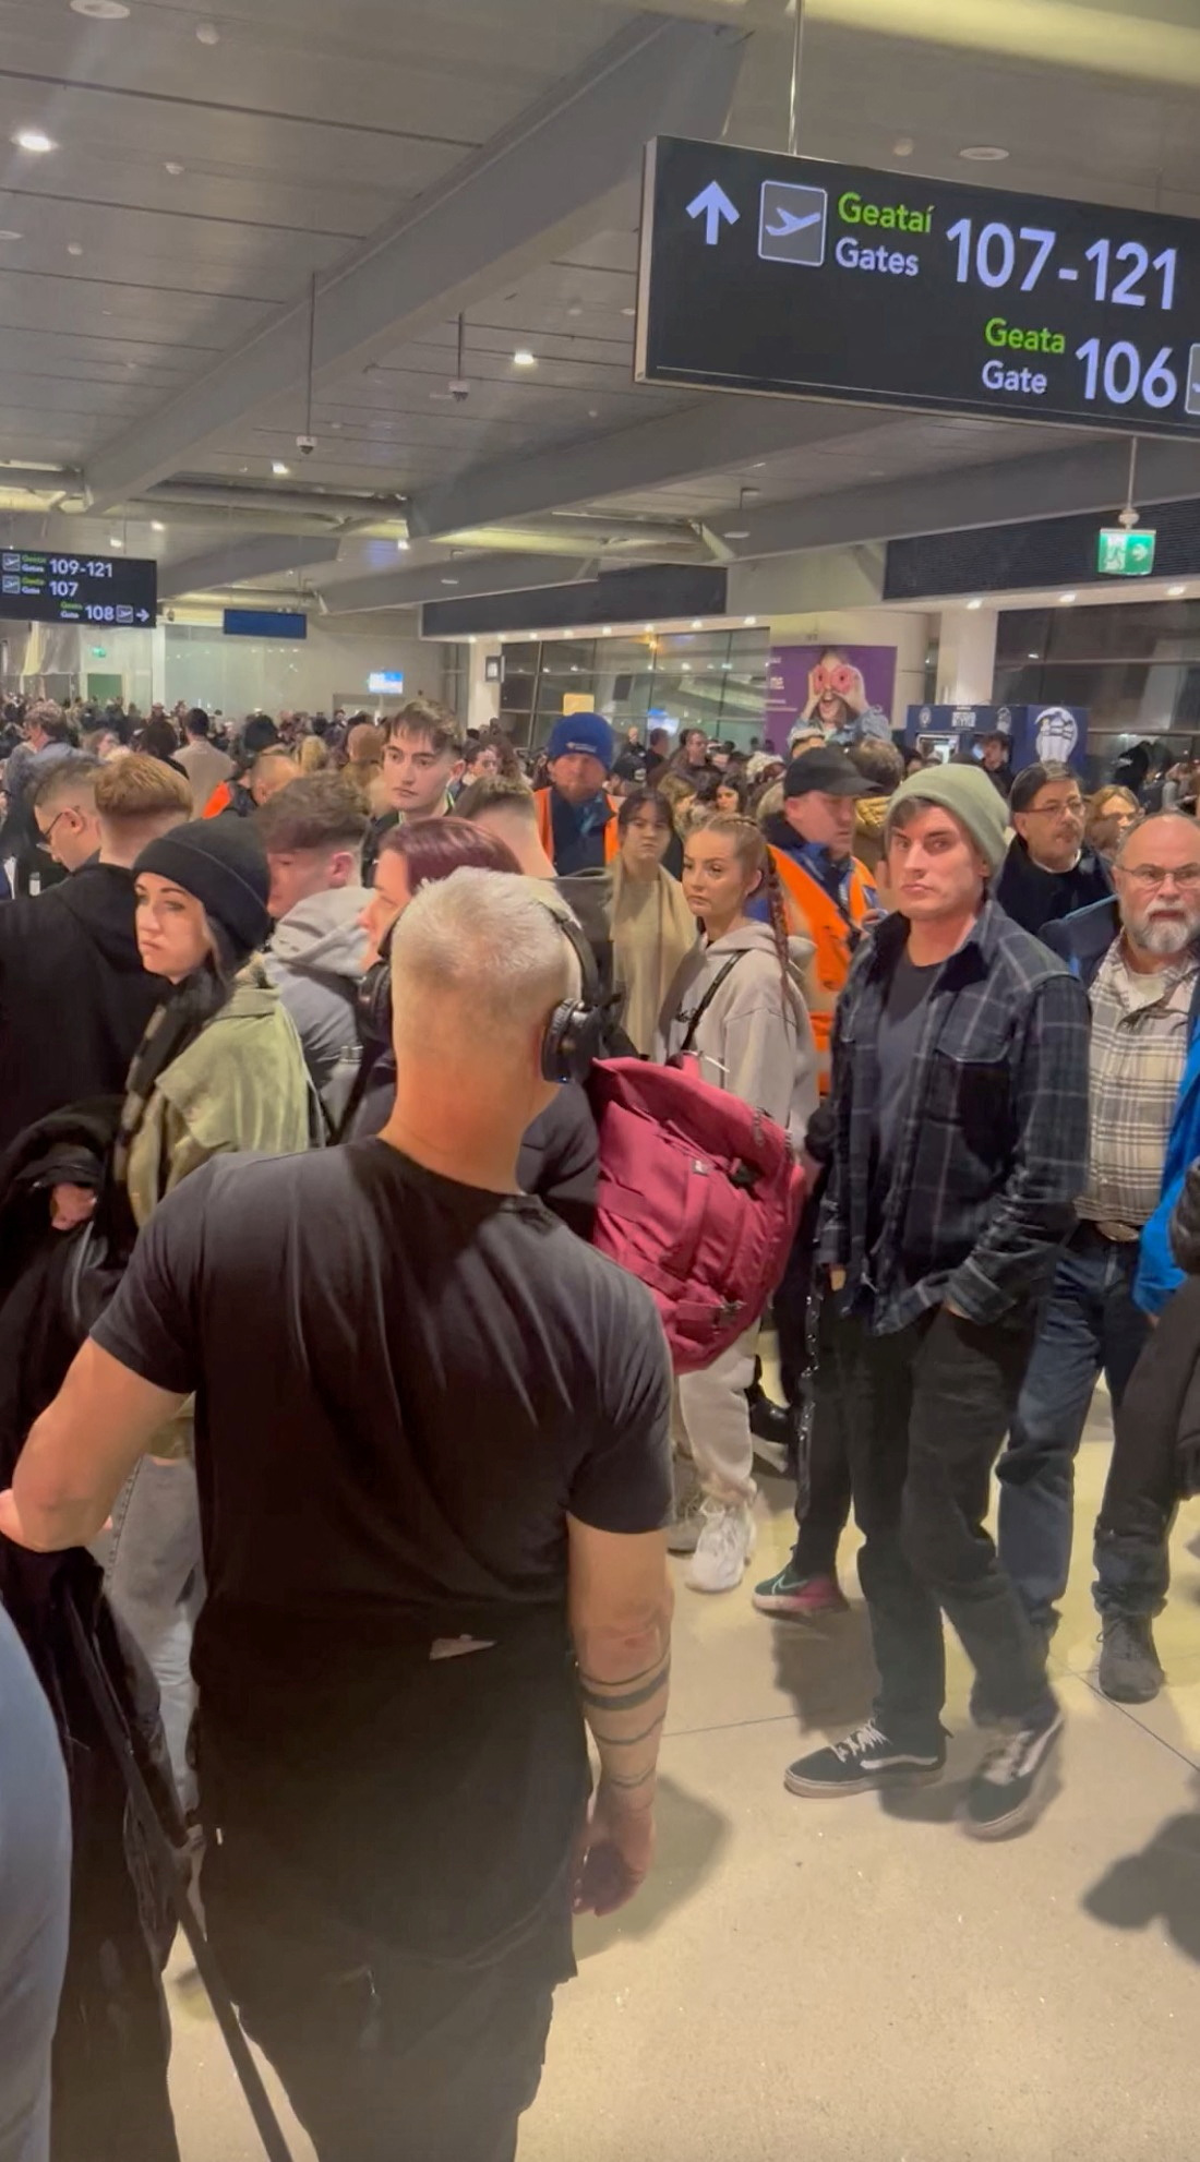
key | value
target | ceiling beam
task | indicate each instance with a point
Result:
(262, 556)
(701, 437)
(1092, 478)
(538, 188)
(493, 574)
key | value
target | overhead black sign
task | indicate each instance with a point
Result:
(39, 588)
(761, 272)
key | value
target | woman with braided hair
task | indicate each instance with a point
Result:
(737, 1008)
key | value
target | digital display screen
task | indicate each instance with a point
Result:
(762, 272)
(36, 587)
(264, 623)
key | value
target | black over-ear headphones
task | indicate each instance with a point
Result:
(575, 1032)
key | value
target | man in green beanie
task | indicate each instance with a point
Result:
(959, 1100)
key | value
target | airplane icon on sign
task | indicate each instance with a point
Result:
(786, 223)
(791, 223)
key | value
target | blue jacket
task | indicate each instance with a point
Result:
(1083, 940)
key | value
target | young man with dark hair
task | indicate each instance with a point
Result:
(206, 767)
(423, 761)
(313, 833)
(74, 997)
(1048, 871)
(64, 810)
(960, 1103)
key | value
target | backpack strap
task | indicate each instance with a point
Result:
(706, 1002)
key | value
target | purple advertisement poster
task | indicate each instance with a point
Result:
(802, 676)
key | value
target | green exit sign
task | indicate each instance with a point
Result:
(1122, 554)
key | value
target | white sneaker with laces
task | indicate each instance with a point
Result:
(726, 1542)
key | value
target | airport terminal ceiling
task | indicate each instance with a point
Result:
(175, 179)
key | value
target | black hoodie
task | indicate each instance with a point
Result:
(74, 997)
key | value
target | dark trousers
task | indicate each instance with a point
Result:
(823, 1468)
(384, 2058)
(807, 1325)
(929, 1408)
(1090, 1326)
(1133, 1567)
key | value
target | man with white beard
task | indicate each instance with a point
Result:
(1139, 957)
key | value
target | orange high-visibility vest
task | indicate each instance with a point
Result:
(827, 928)
(612, 839)
(220, 800)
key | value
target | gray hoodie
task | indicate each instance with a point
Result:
(748, 1041)
(315, 960)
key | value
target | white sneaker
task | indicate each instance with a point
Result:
(684, 1534)
(726, 1542)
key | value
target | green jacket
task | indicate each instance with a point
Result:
(242, 1084)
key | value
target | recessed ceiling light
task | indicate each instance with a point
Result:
(903, 146)
(1065, 599)
(101, 11)
(606, 631)
(984, 154)
(649, 626)
(173, 167)
(523, 358)
(593, 412)
(6, 235)
(1033, 656)
(629, 311)
(157, 526)
(402, 545)
(207, 34)
(34, 140)
(974, 604)
(750, 622)
(576, 309)
(449, 581)
(737, 532)
(697, 623)
(279, 468)
(74, 247)
(1175, 592)
(113, 541)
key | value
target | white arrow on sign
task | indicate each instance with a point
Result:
(713, 205)
(143, 615)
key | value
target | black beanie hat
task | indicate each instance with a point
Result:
(223, 864)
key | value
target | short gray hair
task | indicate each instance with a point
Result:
(488, 939)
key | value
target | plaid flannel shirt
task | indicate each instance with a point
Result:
(993, 1146)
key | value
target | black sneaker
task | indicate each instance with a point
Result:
(1010, 1786)
(865, 1759)
(1129, 1667)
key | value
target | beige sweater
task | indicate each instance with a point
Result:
(653, 930)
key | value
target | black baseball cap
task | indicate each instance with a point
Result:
(827, 772)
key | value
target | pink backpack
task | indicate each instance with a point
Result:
(699, 1196)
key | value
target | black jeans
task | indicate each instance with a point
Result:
(1133, 1563)
(384, 2058)
(929, 1408)
(823, 1470)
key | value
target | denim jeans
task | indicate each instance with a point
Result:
(1090, 1326)
(823, 1470)
(154, 1576)
(928, 1409)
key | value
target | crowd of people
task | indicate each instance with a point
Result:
(316, 1381)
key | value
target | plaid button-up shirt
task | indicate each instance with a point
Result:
(1140, 1029)
(992, 1149)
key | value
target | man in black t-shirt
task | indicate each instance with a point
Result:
(432, 1453)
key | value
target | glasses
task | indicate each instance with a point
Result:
(48, 835)
(1074, 804)
(1149, 876)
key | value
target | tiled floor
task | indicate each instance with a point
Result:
(861, 1982)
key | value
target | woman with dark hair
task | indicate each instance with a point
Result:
(559, 1153)
(737, 1008)
(653, 928)
(731, 795)
(219, 1069)
(160, 740)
